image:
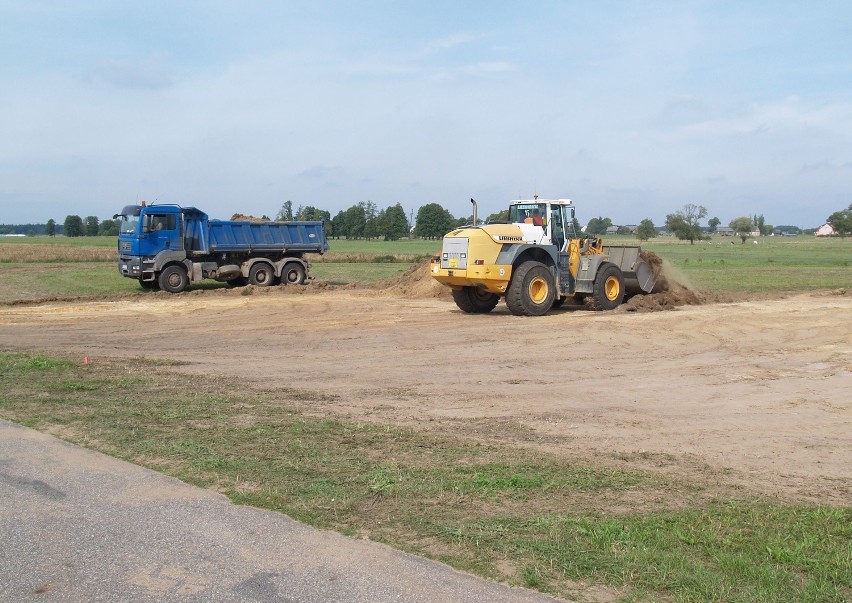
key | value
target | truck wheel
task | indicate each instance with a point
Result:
(293, 274)
(609, 288)
(261, 275)
(173, 279)
(532, 290)
(474, 300)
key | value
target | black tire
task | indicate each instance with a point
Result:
(173, 279)
(149, 285)
(240, 281)
(609, 288)
(293, 274)
(474, 300)
(532, 290)
(261, 275)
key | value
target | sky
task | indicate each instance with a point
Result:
(631, 109)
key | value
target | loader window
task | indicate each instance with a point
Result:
(529, 213)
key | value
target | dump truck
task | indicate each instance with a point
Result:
(166, 246)
(536, 261)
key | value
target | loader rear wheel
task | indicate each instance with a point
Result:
(474, 300)
(532, 290)
(609, 288)
(173, 279)
(261, 275)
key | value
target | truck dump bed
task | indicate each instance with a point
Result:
(297, 237)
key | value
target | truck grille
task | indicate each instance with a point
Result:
(124, 246)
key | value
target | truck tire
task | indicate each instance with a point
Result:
(173, 279)
(609, 288)
(261, 275)
(532, 290)
(474, 300)
(293, 274)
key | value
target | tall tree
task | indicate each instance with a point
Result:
(356, 220)
(50, 228)
(713, 223)
(841, 221)
(108, 228)
(500, 216)
(394, 223)
(433, 221)
(91, 226)
(686, 223)
(285, 214)
(338, 225)
(646, 229)
(73, 226)
(598, 225)
(742, 226)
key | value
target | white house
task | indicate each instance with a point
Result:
(826, 230)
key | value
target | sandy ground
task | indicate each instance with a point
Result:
(754, 393)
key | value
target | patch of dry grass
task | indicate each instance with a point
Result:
(47, 253)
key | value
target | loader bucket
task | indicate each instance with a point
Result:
(640, 275)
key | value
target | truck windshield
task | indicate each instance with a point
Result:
(127, 224)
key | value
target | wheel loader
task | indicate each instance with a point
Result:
(536, 261)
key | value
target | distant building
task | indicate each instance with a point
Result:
(826, 230)
(612, 229)
(725, 231)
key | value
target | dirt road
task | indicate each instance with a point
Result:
(756, 393)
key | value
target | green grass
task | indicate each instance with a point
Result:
(775, 264)
(517, 515)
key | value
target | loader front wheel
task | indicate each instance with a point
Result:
(474, 300)
(532, 290)
(609, 288)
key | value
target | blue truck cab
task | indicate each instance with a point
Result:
(168, 247)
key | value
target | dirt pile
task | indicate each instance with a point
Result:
(245, 218)
(416, 282)
(670, 291)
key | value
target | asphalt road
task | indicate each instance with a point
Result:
(77, 525)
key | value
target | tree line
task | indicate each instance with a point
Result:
(365, 220)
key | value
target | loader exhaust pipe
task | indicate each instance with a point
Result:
(474, 211)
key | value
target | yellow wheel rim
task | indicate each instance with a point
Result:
(538, 290)
(612, 288)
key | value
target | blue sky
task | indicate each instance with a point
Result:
(632, 109)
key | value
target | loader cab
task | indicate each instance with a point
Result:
(554, 216)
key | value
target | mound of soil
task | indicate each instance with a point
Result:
(245, 218)
(416, 282)
(669, 291)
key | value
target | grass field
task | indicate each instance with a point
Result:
(504, 513)
(510, 514)
(86, 266)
